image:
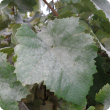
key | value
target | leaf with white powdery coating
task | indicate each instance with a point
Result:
(95, 9)
(63, 56)
(104, 96)
(11, 90)
(103, 5)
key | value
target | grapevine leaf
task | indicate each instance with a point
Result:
(104, 96)
(23, 5)
(91, 108)
(100, 78)
(11, 90)
(103, 5)
(56, 58)
(94, 9)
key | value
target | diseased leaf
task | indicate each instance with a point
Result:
(18, 18)
(103, 5)
(11, 90)
(104, 96)
(95, 9)
(66, 14)
(63, 56)
(23, 5)
(4, 24)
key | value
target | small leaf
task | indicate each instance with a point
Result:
(7, 50)
(22, 5)
(104, 96)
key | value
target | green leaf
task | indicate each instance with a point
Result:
(11, 90)
(4, 24)
(104, 96)
(91, 108)
(23, 5)
(100, 78)
(7, 50)
(63, 56)
(14, 58)
(18, 18)
(104, 38)
(36, 15)
(66, 14)
(68, 1)
(63, 105)
(94, 9)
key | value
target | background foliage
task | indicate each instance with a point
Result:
(58, 61)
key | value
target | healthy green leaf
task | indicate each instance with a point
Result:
(91, 108)
(63, 56)
(100, 78)
(11, 90)
(68, 1)
(104, 96)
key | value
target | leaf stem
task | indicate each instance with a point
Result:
(55, 13)
(13, 10)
